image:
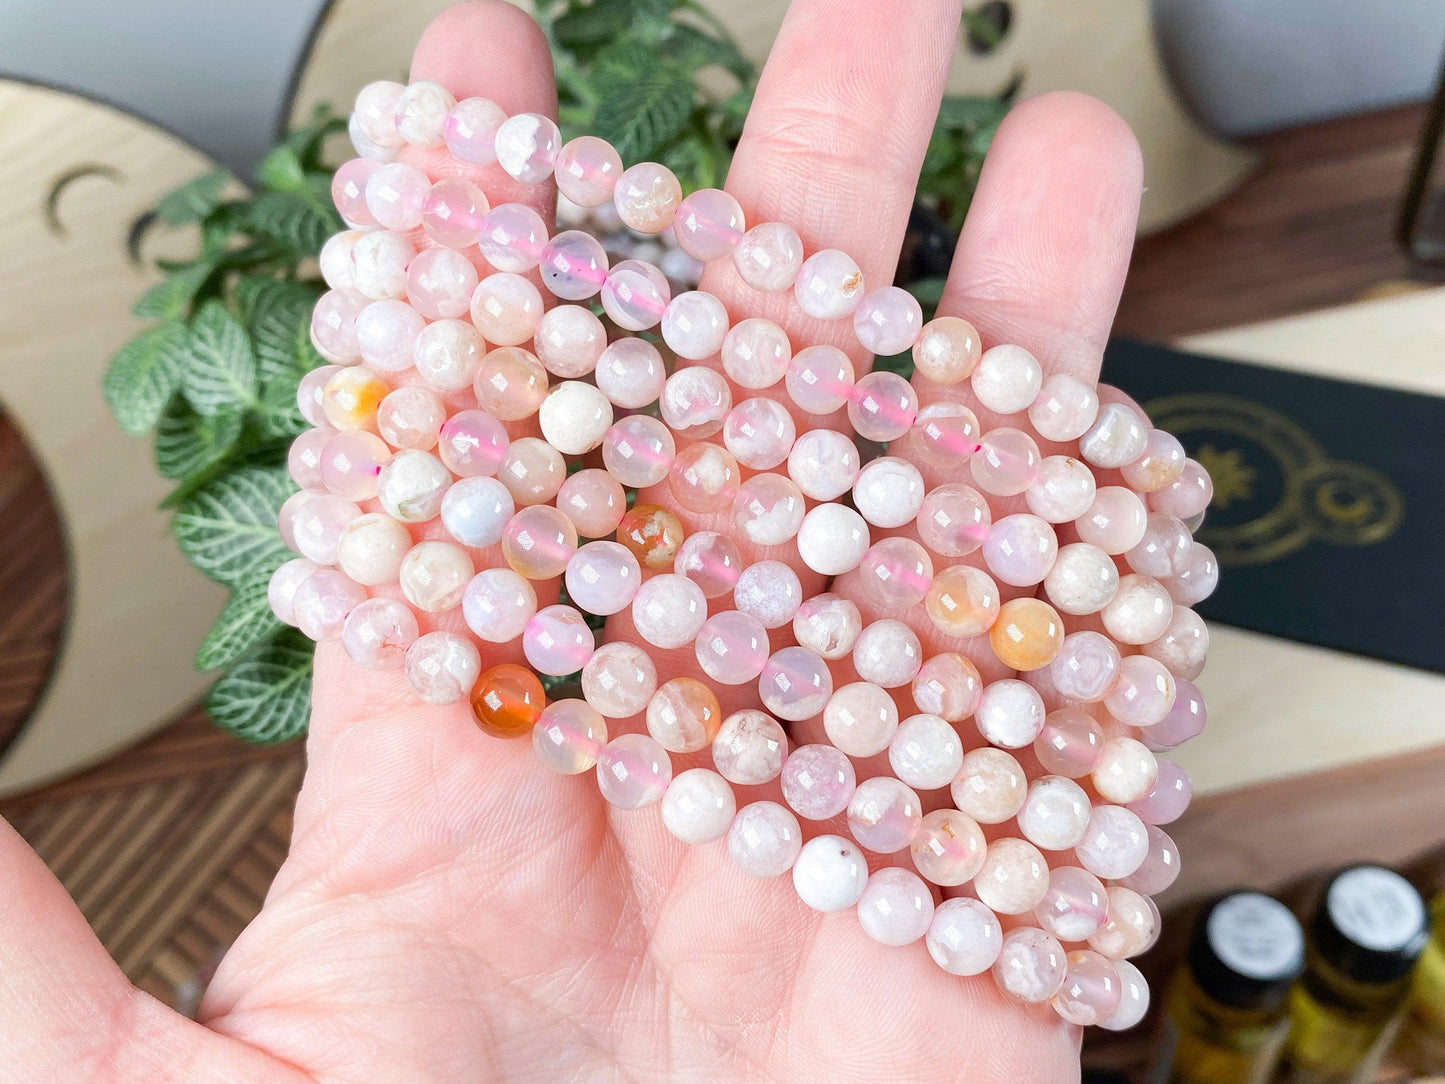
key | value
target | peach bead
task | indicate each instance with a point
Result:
(991, 787)
(1013, 878)
(768, 256)
(653, 534)
(507, 701)
(510, 384)
(947, 350)
(447, 355)
(1027, 634)
(532, 471)
(351, 398)
(594, 501)
(962, 601)
(646, 197)
(705, 478)
(948, 848)
(587, 170)
(947, 685)
(506, 308)
(569, 340)
(538, 542)
(683, 715)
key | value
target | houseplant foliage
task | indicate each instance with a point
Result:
(214, 378)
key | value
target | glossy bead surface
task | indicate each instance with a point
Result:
(1114, 844)
(1064, 489)
(653, 534)
(386, 334)
(434, 574)
(603, 577)
(830, 873)
(819, 379)
(470, 130)
(507, 701)
(594, 501)
(1160, 867)
(764, 839)
(1130, 926)
(949, 847)
(749, 748)
(947, 685)
(635, 295)
(1007, 379)
(1055, 813)
(1027, 635)
(755, 353)
(964, 937)
(472, 443)
(683, 715)
(1070, 743)
(888, 320)
(947, 350)
(818, 781)
(1020, 549)
(1082, 580)
(768, 256)
(439, 283)
(954, 520)
(990, 787)
(318, 525)
(888, 653)
(832, 539)
(532, 470)
(1013, 877)
(1086, 667)
(1115, 522)
(619, 679)
(378, 632)
(732, 647)
(795, 684)
(699, 806)
(945, 436)
(889, 492)
(646, 197)
(351, 397)
(1184, 647)
(1118, 436)
(1159, 465)
(829, 284)
(882, 407)
(1168, 798)
(512, 237)
(708, 224)
(421, 111)
(896, 907)
(558, 641)
(962, 601)
(497, 604)
(570, 340)
(1133, 999)
(538, 542)
(575, 417)
(633, 771)
(574, 266)
(1031, 965)
(828, 624)
(860, 719)
(669, 610)
(1144, 692)
(411, 486)
(759, 432)
(638, 451)
(710, 560)
(452, 213)
(527, 145)
(442, 667)
(895, 574)
(704, 478)
(768, 509)
(1090, 992)
(395, 194)
(1075, 905)
(1007, 462)
(568, 735)
(587, 170)
(884, 814)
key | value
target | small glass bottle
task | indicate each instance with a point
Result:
(1225, 1015)
(1421, 1046)
(1368, 931)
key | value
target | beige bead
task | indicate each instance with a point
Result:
(1126, 771)
(1013, 878)
(646, 197)
(1129, 929)
(1139, 611)
(991, 786)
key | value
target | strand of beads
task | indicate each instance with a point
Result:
(438, 337)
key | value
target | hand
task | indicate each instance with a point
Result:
(450, 910)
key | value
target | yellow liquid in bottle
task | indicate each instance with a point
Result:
(1216, 1044)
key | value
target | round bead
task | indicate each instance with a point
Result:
(954, 520)
(351, 397)
(512, 237)
(602, 577)
(1010, 713)
(829, 285)
(558, 641)
(1160, 464)
(884, 814)
(440, 282)
(575, 417)
(371, 548)
(947, 350)
(1091, 989)
(1075, 905)
(1115, 522)
(587, 170)
(694, 325)
(705, 478)
(472, 443)
(633, 771)
(448, 356)
(527, 145)
(421, 112)
(819, 379)
(1187, 496)
(1117, 437)
(568, 735)
(710, 560)
(1126, 771)
(860, 719)
(888, 321)
(635, 295)
(948, 685)
(310, 390)
(452, 214)
(386, 332)
(888, 653)
(538, 542)
(818, 781)
(770, 592)
(699, 806)
(895, 574)
(1114, 844)
(962, 601)
(830, 874)
(1130, 927)
(281, 589)
(945, 436)
(411, 486)
(1031, 965)
(1183, 721)
(732, 647)
(1184, 646)
(411, 417)
(1007, 379)
(497, 604)
(990, 787)
(508, 701)
(755, 353)
(1027, 635)
(442, 667)
(594, 501)
(532, 471)
(1156, 873)
(709, 224)
(683, 715)
(619, 680)
(1164, 549)
(1021, 549)
(318, 525)
(889, 492)
(570, 341)
(1070, 743)
(882, 407)
(1144, 692)
(948, 847)
(1007, 462)
(1064, 409)
(1168, 798)
(750, 748)
(896, 907)
(630, 372)
(768, 509)
(375, 112)
(1082, 580)
(1197, 580)
(653, 534)
(964, 937)
(574, 268)
(349, 464)
(506, 308)
(925, 752)
(1133, 999)
(646, 197)
(1055, 813)
(769, 256)
(511, 384)
(1013, 877)
(832, 539)
(638, 451)
(669, 611)
(395, 194)
(824, 463)
(759, 432)
(1139, 612)
(378, 632)
(470, 130)
(348, 191)
(1064, 490)
(795, 684)
(764, 839)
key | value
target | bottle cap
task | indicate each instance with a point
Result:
(1371, 924)
(1246, 951)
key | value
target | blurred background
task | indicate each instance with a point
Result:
(1281, 315)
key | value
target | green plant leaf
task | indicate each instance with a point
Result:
(266, 696)
(695, 162)
(644, 101)
(244, 623)
(970, 111)
(187, 444)
(220, 370)
(143, 375)
(298, 221)
(695, 48)
(193, 200)
(227, 528)
(171, 298)
(277, 314)
(281, 169)
(279, 416)
(593, 24)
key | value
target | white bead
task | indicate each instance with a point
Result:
(698, 806)
(1126, 771)
(694, 325)
(411, 486)
(1139, 612)
(830, 873)
(824, 464)
(888, 653)
(1114, 844)
(1014, 876)
(769, 591)
(964, 937)
(669, 610)
(1083, 580)
(1010, 713)
(335, 259)
(896, 907)
(371, 548)
(1133, 1001)
(575, 417)
(1117, 437)
(828, 624)
(421, 110)
(889, 492)
(1007, 379)
(926, 752)
(527, 146)
(1055, 813)
(378, 264)
(833, 539)
(860, 719)
(765, 839)
(1065, 408)
(829, 285)
(1063, 491)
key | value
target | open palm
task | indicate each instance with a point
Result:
(452, 911)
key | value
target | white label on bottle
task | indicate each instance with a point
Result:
(1376, 908)
(1255, 936)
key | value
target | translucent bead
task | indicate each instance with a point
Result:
(538, 542)
(699, 806)
(323, 601)
(764, 839)
(1139, 612)
(1185, 644)
(506, 309)
(947, 350)
(926, 752)
(653, 534)
(954, 520)
(558, 641)
(945, 436)
(371, 548)
(575, 417)
(619, 679)
(948, 685)
(1055, 813)
(1130, 927)
(303, 459)
(819, 379)
(1082, 580)
(768, 509)
(379, 263)
(1075, 905)
(439, 283)
(364, 146)
(732, 647)
(1010, 713)
(568, 736)
(411, 486)
(594, 501)
(1114, 843)
(286, 518)
(395, 194)
(532, 470)
(475, 511)
(647, 197)
(386, 333)
(829, 285)
(896, 907)
(448, 355)
(860, 719)
(1115, 522)
(1090, 992)
(888, 653)
(889, 492)
(527, 145)
(749, 748)
(1063, 491)
(962, 601)
(375, 112)
(964, 937)
(888, 321)
(512, 237)
(1118, 436)
(1028, 634)
(1184, 720)
(755, 353)
(348, 191)
(1168, 798)
(824, 463)
(309, 391)
(1007, 379)
(1031, 965)
(1159, 465)
(704, 478)
(452, 212)
(442, 667)
(1007, 462)
(1064, 409)
(1144, 693)
(1013, 877)
(769, 591)
(638, 451)
(710, 560)
(828, 624)
(1197, 580)
(830, 874)
(470, 130)
(795, 684)
(991, 786)
(768, 256)
(683, 715)
(948, 848)
(895, 574)
(318, 526)
(695, 401)
(333, 325)
(281, 589)
(1020, 549)
(884, 814)
(633, 771)
(709, 224)
(472, 443)
(1086, 667)
(1070, 743)
(882, 407)
(759, 432)
(695, 325)
(434, 574)
(1187, 496)
(635, 294)
(631, 373)
(669, 611)
(570, 341)
(587, 170)
(508, 701)
(603, 577)
(410, 417)
(1133, 999)
(1164, 549)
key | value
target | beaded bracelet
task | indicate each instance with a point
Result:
(430, 359)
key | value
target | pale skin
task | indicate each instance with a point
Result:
(451, 911)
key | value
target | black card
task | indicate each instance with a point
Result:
(1328, 515)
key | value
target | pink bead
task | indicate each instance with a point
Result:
(882, 406)
(795, 684)
(709, 224)
(964, 937)
(1115, 522)
(323, 601)
(303, 459)
(309, 390)
(1007, 463)
(695, 325)
(768, 256)
(1031, 965)
(1070, 743)
(755, 353)
(1075, 906)
(1114, 844)
(764, 839)
(1020, 549)
(506, 308)
(439, 283)
(527, 145)
(558, 641)
(646, 197)
(1118, 436)
(630, 372)
(574, 267)
(619, 680)
(633, 771)
(769, 591)
(1167, 799)
(434, 575)
(895, 574)
(1063, 490)
(351, 462)
(538, 542)
(512, 237)
(946, 435)
(452, 212)
(860, 719)
(768, 509)
(669, 611)
(569, 340)
(318, 525)
(603, 577)
(1160, 867)
(1091, 989)
(1160, 465)
(896, 907)
(532, 470)
(587, 170)
(819, 379)
(348, 190)
(569, 736)
(1144, 692)
(395, 195)
(378, 632)
(818, 782)
(888, 321)
(759, 432)
(1188, 495)
(710, 560)
(386, 333)
(286, 518)
(333, 325)
(884, 815)
(448, 355)
(947, 685)
(472, 443)
(1164, 549)
(638, 451)
(375, 112)
(442, 667)
(1086, 667)
(954, 520)
(1197, 579)
(1184, 647)
(732, 647)
(949, 847)
(1185, 720)
(470, 130)
(705, 478)
(695, 401)
(281, 589)
(421, 112)
(749, 748)
(635, 295)
(824, 464)
(510, 383)
(829, 285)
(1010, 713)
(411, 417)
(364, 146)
(594, 501)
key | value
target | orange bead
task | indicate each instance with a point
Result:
(351, 397)
(1027, 634)
(653, 534)
(507, 700)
